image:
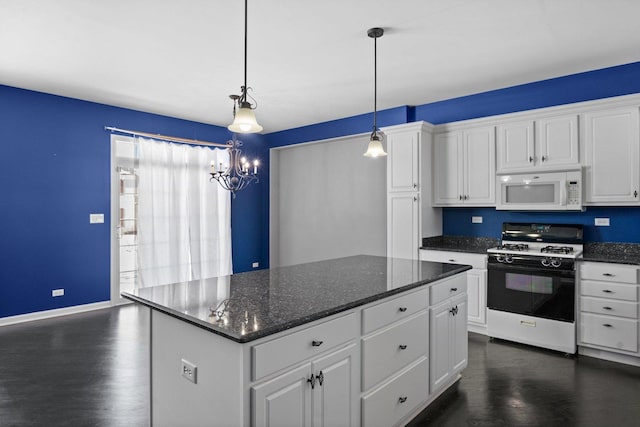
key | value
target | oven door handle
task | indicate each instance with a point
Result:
(531, 270)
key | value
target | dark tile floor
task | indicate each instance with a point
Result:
(91, 369)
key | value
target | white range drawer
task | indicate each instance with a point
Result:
(474, 260)
(609, 272)
(609, 307)
(621, 291)
(389, 311)
(606, 331)
(446, 289)
(389, 404)
(299, 346)
(391, 349)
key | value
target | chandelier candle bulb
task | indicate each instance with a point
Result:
(255, 167)
(213, 167)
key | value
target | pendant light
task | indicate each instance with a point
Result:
(245, 119)
(375, 148)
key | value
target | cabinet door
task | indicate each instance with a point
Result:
(459, 338)
(335, 398)
(402, 225)
(477, 296)
(447, 169)
(283, 401)
(611, 156)
(515, 146)
(479, 156)
(402, 164)
(439, 345)
(557, 141)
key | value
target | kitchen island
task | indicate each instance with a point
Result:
(353, 341)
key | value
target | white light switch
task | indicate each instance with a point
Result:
(57, 292)
(602, 222)
(476, 220)
(96, 218)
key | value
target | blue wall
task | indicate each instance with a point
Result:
(55, 169)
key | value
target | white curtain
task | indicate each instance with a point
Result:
(184, 221)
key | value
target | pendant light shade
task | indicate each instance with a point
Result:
(375, 148)
(244, 120)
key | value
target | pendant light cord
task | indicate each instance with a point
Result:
(244, 95)
(375, 84)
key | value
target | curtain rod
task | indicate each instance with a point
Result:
(166, 138)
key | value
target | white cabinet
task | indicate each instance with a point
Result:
(476, 283)
(448, 340)
(403, 225)
(609, 309)
(409, 214)
(547, 143)
(612, 157)
(319, 394)
(464, 167)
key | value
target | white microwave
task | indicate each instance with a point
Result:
(546, 191)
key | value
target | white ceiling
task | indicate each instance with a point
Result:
(309, 61)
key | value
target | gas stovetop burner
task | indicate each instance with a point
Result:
(557, 249)
(514, 246)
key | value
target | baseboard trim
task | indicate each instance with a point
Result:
(47, 314)
(610, 356)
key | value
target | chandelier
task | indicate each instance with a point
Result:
(375, 148)
(239, 173)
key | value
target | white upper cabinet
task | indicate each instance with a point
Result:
(402, 166)
(464, 167)
(612, 160)
(548, 143)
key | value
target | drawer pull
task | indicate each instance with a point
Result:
(607, 308)
(607, 325)
(402, 399)
(402, 346)
(607, 291)
(402, 309)
(315, 343)
(312, 380)
(608, 274)
(454, 289)
(452, 260)
(320, 378)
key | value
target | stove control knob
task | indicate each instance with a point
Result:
(508, 259)
(556, 263)
(545, 262)
(500, 258)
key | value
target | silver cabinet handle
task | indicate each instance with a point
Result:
(607, 308)
(608, 274)
(453, 289)
(607, 291)
(415, 185)
(452, 260)
(312, 380)
(460, 197)
(544, 158)
(402, 347)
(635, 193)
(607, 325)
(402, 309)
(402, 399)
(530, 159)
(316, 343)
(320, 378)
(415, 198)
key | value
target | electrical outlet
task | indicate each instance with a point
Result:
(96, 218)
(189, 371)
(476, 220)
(57, 292)
(255, 265)
(602, 222)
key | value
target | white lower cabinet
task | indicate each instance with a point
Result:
(476, 283)
(448, 340)
(609, 318)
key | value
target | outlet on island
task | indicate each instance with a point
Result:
(189, 371)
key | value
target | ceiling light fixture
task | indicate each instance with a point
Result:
(244, 120)
(375, 148)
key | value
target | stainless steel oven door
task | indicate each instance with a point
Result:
(535, 291)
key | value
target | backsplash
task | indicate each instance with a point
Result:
(624, 222)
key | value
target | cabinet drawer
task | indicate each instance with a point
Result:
(609, 272)
(389, 404)
(393, 348)
(606, 331)
(474, 260)
(299, 346)
(389, 311)
(450, 287)
(609, 307)
(622, 291)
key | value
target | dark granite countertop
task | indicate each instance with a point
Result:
(619, 253)
(476, 245)
(265, 302)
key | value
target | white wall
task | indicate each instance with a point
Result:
(327, 201)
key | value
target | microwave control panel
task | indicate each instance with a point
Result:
(573, 193)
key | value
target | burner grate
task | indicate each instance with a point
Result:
(514, 246)
(557, 249)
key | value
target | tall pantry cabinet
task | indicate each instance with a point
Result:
(409, 213)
